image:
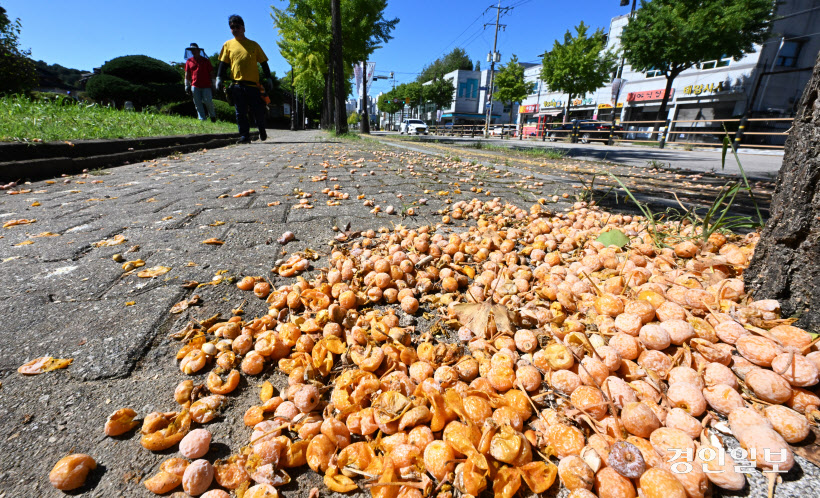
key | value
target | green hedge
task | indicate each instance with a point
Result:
(141, 69)
(224, 111)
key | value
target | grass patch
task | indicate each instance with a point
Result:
(25, 120)
(538, 152)
(350, 135)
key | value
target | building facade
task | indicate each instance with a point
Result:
(764, 84)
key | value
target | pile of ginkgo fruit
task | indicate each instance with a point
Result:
(545, 354)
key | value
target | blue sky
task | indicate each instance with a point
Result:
(86, 33)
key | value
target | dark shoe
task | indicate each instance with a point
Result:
(213, 120)
(263, 135)
(244, 140)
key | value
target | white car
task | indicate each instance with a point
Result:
(416, 126)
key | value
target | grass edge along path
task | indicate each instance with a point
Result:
(42, 120)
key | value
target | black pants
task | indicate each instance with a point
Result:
(244, 97)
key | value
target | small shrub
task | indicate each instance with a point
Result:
(224, 111)
(185, 108)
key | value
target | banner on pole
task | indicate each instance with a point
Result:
(357, 72)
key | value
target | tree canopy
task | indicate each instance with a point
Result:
(440, 92)
(511, 87)
(578, 65)
(57, 76)
(456, 59)
(17, 72)
(304, 28)
(674, 35)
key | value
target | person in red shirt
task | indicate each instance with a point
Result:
(198, 75)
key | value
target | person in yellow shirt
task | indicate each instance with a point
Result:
(240, 56)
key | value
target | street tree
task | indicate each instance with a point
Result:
(440, 93)
(17, 70)
(449, 62)
(510, 84)
(414, 92)
(388, 102)
(674, 35)
(786, 262)
(579, 65)
(306, 42)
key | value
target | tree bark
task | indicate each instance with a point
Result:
(661, 116)
(338, 71)
(786, 263)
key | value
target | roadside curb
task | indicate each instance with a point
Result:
(37, 161)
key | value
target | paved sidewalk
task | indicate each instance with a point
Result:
(64, 296)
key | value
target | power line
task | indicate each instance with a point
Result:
(465, 30)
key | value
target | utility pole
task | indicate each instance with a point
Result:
(365, 114)
(618, 82)
(493, 58)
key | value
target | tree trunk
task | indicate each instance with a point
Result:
(786, 262)
(327, 107)
(338, 70)
(292, 102)
(661, 116)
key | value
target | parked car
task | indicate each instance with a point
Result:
(586, 129)
(500, 131)
(416, 126)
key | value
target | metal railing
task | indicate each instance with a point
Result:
(764, 133)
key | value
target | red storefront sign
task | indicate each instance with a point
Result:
(528, 109)
(648, 95)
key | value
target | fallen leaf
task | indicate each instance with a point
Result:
(476, 317)
(35, 204)
(613, 237)
(274, 203)
(809, 448)
(24, 243)
(154, 271)
(13, 223)
(216, 224)
(130, 303)
(213, 241)
(45, 234)
(44, 364)
(113, 241)
(131, 265)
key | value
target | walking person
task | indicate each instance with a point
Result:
(240, 55)
(198, 78)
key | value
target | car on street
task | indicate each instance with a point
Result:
(587, 129)
(416, 126)
(500, 131)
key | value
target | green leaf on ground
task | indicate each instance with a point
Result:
(613, 237)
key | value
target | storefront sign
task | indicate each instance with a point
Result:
(609, 106)
(528, 109)
(574, 103)
(710, 88)
(647, 95)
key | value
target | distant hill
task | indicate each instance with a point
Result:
(57, 76)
